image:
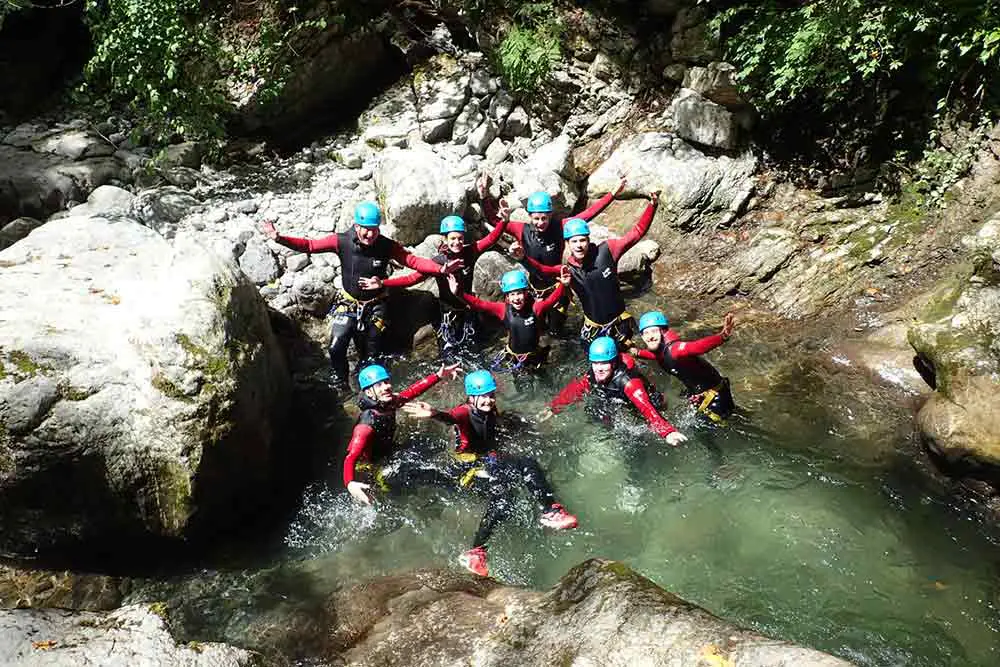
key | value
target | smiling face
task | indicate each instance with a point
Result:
(517, 298)
(652, 336)
(380, 391)
(366, 235)
(454, 242)
(578, 246)
(541, 221)
(484, 403)
(602, 370)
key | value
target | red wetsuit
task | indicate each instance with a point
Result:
(625, 383)
(476, 430)
(681, 359)
(374, 432)
(523, 327)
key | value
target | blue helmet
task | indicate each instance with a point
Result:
(603, 349)
(513, 280)
(653, 318)
(479, 383)
(540, 202)
(367, 214)
(370, 375)
(452, 223)
(575, 227)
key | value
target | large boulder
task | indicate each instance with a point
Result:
(441, 87)
(600, 613)
(140, 387)
(550, 168)
(702, 121)
(417, 189)
(127, 637)
(107, 200)
(698, 190)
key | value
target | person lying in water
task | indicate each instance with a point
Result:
(704, 386)
(478, 466)
(521, 315)
(613, 378)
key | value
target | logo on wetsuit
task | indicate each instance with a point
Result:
(606, 272)
(551, 247)
(528, 321)
(377, 262)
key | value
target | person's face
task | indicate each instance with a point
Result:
(578, 246)
(541, 221)
(454, 242)
(517, 298)
(380, 391)
(652, 336)
(602, 371)
(366, 235)
(484, 403)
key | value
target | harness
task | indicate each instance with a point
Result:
(510, 360)
(703, 402)
(349, 306)
(447, 330)
(592, 329)
(377, 474)
(469, 476)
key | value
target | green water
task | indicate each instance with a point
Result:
(809, 518)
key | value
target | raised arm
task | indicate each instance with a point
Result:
(571, 393)
(543, 306)
(644, 354)
(483, 244)
(620, 245)
(325, 244)
(417, 388)
(690, 348)
(547, 269)
(407, 280)
(421, 264)
(495, 308)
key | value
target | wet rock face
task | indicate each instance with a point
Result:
(126, 637)
(138, 377)
(600, 613)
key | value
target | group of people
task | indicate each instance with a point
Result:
(536, 300)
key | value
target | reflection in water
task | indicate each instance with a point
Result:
(800, 519)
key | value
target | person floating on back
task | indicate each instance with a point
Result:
(481, 468)
(614, 379)
(704, 386)
(542, 240)
(360, 313)
(458, 329)
(521, 316)
(373, 440)
(594, 271)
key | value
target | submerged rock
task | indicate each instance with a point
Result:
(601, 613)
(138, 376)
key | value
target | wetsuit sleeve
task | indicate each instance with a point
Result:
(483, 244)
(547, 269)
(408, 280)
(325, 244)
(571, 393)
(540, 307)
(417, 388)
(646, 354)
(494, 308)
(360, 436)
(691, 348)
(407, 258)
(595, 208)
(459, 416)
(619, 246)
(516, 229)
(636, 392)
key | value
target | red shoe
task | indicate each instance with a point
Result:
(557, 517)
(474, 560)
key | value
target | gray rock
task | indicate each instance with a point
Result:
(296, 262)
(259, 263)
(441, 86)
(481, 137)
(247, 206)
(391, 118)
(73, 144)
(675, 72)
(434, 131)
(168, 380)
(479, 82)
(417, 190)
(703, 121)
(604, 68)
(550, 168)
(187, 154)
(715, 82)
(497, 152)
(517, 124)
(131, 636)
(349, 158)
(107, 200)
(500, 106)
(314, 291)
(162, 208)
(24, 134)
(694, 40)
(16, 230)
(489, 268)
(469, 119)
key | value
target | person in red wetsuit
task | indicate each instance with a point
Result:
(373, 444)
(364, 265)
(521, 316)
(594, 271)
(478, 466)
(458, 330)
(542, 241)
(705, 387)
(613, 378)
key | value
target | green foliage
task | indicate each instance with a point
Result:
(830, 50)
(161, 57)
(531, 46)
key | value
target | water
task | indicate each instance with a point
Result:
(808, 519)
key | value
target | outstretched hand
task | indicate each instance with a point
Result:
(727, 326)
(453, 284)
(373, 282)
(483, 185)
(419, 409)
(654, 197)
(450, 372)
(504, 210)
(544, 415)
(621, 186)
(357, 491)
(516, 250)
(267, 227)
(564, 276)
(676, 438)
(451, 266)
